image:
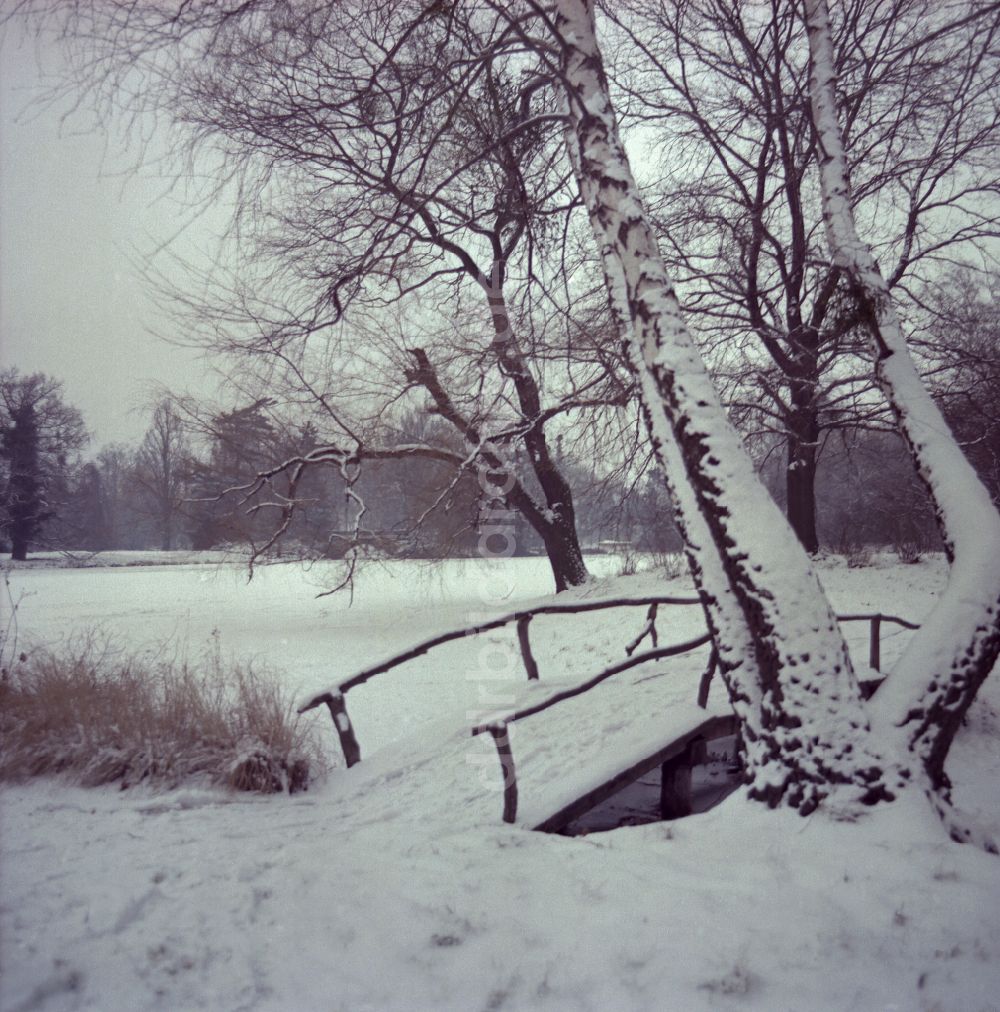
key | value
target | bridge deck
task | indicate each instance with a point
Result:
(570, 758)
(607, 731)
(674, 759)
(614, 746)
(567, 757)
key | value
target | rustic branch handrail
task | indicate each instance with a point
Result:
(654, 655)
(875, 636)
(502, 741)
(343, 726)
(649, 629)
(334, 697)
(871, 616)
(524, 615)
(577, 690)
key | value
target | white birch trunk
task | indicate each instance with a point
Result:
(936, 679)
(785, 660)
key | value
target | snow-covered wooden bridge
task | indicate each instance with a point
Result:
(565, 749)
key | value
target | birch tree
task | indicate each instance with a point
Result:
(937, 677)
(785, 663)
(786, 668)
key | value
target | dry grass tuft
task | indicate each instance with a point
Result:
(101, 716)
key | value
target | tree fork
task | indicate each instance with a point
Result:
(935, 680)
(781, 653)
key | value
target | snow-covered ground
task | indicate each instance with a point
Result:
(396, 886)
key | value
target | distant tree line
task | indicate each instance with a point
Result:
(190, 482)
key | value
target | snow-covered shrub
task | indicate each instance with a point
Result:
(101, 716)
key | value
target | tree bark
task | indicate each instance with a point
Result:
(800, 473)
(562, 546)
(555, 523)
(931, 687)
(785, 663)
(557, 532)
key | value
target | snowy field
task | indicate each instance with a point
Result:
(396, 886)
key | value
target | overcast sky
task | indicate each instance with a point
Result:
(75, 221)
(72, 303)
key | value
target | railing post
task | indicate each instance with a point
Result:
(675, 782)
(530, 664)
(875, 643)
(502, 740)
(705, 684)
(345, 730)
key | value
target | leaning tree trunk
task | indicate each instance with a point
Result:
(802, 428)
(556, 524)
(562, 546)
(558, 535)
(780, 649)
(937, 677)
(554, 521)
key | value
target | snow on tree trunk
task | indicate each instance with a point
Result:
(781, 651)
(937, 677)
(564, 554)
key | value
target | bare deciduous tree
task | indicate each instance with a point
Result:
(791, 683)
(940, 672)
(724, 87)
(162, 467)
(959, 350)
(785, 664)
(373, 159)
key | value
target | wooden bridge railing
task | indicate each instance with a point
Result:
(498, 727)
(334, 696)
(335, 702)
(875, 635)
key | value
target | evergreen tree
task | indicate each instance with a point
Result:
(40, 436)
